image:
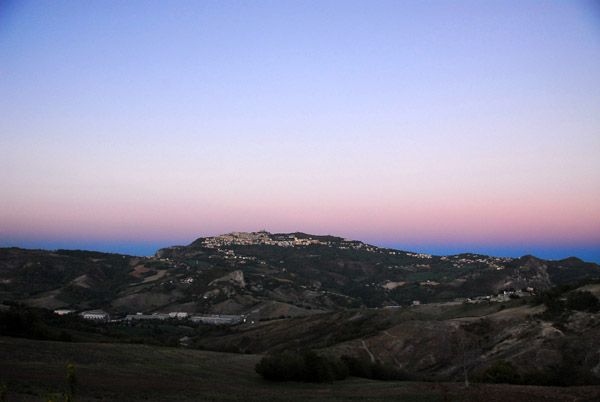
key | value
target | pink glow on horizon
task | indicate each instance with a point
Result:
(436, 127)
(435, 220)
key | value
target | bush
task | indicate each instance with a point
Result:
(357, 367)
(501, 372)
(24, 324)
(387, 373)
(564, 375)
(583, 301)
(286, 366)
(323, 368)
(289, 366)
(541, 377)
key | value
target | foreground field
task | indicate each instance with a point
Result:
(33, 370)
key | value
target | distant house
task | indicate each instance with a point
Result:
(97, 315)
(140, 316)
(218, 319)
(178, 314)
(64, 311)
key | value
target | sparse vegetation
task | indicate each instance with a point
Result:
(583, 301)
(311, 367)
(3, 391)
(308, 297)
(501, 372)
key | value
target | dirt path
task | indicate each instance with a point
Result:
(393, 336)
(364, 345)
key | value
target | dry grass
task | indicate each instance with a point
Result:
(120, 372)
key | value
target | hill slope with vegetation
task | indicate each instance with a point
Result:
(268, 275)
(318, 307)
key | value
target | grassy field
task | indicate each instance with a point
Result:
(32, 370)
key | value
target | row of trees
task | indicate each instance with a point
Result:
(565, 374)
(311, 367)
(564, 297)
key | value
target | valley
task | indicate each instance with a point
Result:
(229, 300)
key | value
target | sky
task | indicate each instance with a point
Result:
(431, 126)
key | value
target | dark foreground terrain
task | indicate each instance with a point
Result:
(34, 370)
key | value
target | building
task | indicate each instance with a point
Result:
(140, 316)
(218, 319)
(97, 315)
(179, 315)
(64, 311)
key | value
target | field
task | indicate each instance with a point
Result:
(33, 370)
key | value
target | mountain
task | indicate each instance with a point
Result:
(443, 315)
(268, 275)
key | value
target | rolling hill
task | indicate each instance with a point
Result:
(269, 275)
(434, 317)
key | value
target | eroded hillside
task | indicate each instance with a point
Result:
(266, 275)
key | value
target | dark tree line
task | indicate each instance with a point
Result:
(311, 367)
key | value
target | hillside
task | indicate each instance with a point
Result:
(34, 370)
(268, 275)
(439, 340)
(433, 317)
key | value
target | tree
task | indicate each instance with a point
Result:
(583, 301)
(464, 352)
(502, 372)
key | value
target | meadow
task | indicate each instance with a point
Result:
(34, 370)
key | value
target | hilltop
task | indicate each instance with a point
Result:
(432, 317)
(268, 275)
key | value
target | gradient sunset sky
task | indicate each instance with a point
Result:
(431, 126)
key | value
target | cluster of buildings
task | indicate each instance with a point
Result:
(218, 319)
(492, 262)
(261, 237)
(419, 255)
(285, 240)
(230, 254)
(506, 295)
(214, 319)
(501, 297)
(96, 315)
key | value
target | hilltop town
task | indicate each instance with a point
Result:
(269, 275)
(263, 293)
(282, 240)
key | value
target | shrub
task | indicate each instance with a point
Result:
(501, 372)
(583, 301)
(358, 367)
(289, 366)
(286, 366)
(323, 368)
(71, 382)
(387, 373)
